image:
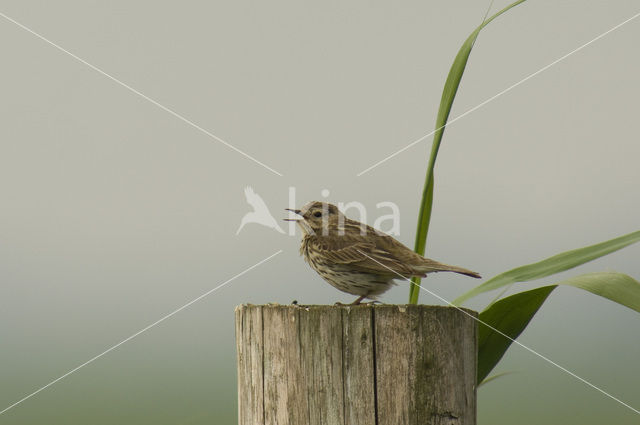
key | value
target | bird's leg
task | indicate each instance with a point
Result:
(359, 300)
(356, 302)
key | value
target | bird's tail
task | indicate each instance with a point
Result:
(463, 271)
(434, 266)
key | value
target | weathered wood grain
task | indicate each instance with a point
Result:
(358, 366)
(425, 365)
(249, 342)
(321, 347)
(340, 365)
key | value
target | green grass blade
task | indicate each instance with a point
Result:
(617, 287)
(510, 316)
(493, 378)
(448, 95)
(424, 218)
(552, 265)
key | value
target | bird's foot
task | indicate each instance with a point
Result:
(373, 302)
(358, 302)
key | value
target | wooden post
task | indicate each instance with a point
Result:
(369, 365)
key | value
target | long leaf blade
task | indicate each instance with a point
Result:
(617, 287)
(446, 102)
(510, 316)
(552, 265)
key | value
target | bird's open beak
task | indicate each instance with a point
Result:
(293, 211)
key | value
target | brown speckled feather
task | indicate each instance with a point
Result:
(356, 258)
(376, 252)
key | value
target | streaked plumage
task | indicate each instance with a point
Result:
(356, 258)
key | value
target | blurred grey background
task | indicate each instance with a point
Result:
(115, 213)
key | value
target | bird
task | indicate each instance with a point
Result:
(260, 213)
(356, 258)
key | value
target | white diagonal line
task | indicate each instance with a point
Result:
(142, 95)
(139, 332)
(544, 68)
(506, 336)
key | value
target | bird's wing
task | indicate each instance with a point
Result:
(256, 201)
(365, 256)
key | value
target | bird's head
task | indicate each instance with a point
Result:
(318, 217)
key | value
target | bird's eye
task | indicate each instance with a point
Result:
(317, 214)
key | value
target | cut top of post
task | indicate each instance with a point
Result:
(366, 364)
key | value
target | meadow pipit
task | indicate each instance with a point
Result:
(356, 258)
